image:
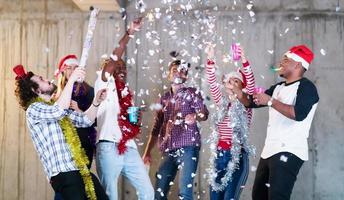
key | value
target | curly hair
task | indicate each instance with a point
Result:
(25, 90)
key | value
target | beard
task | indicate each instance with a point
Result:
(50, 91)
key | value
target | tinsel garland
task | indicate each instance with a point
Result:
(129, 130)
(239, 124)
(78, 153)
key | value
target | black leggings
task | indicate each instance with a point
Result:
(71, 186)
(275, 177)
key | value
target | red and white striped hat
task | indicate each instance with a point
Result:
(66, 61)
(301, 54)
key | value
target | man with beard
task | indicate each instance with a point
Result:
(292, 104)
(54, 136)
(177, 132)
(117, 152)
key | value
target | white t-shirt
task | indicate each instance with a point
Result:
(108, 111)
(284, 134)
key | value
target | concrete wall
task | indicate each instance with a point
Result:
(38, 32)
(278, 25)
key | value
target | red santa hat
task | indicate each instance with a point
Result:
(66, 61)
(19, 71)
(301, 54)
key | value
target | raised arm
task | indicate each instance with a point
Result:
(248, 73)
(211, 77)
(134, 26)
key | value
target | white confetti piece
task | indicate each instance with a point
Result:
(172, 32)
(284, 158)
(337, 8)
(253, 168)
(249, 6)
(252, 14)
(270, 51)
(189, 186)
(267, 184)
(159, 176)
(323, 52)
(151, 52)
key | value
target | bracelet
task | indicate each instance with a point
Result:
(95, 105)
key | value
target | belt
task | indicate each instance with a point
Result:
(105, 141)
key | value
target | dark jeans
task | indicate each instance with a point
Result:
(71, 186)
(275, 177)
(239, 177)
(185, 160)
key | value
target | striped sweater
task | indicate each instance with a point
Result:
(225, 131)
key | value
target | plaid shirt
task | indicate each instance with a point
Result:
(48, 138)
(174, 108)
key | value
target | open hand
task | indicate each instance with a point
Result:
(135, 25)
(209, 50)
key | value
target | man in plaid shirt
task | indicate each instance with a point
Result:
(47, 135)
(176, 131)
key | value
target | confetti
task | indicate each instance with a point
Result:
(249, 6)
(323, 52)
(284, 158)
(338, 8)
(159, 176)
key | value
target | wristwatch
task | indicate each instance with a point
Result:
(270, 102)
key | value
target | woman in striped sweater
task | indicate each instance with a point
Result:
(229, 164)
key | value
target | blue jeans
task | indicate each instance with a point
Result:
(239, 177)
(185, 160)
(110, 165)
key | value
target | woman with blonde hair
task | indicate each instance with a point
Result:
(82, 97)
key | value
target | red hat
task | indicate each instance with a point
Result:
(301, 54)
(66, 61)
(20, 72)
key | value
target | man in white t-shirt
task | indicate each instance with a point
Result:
(292, 104)
(117, 152)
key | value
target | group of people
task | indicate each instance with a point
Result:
(72, 121)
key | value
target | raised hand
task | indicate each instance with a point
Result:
(242, 54)
(209, 50)
(78, 74)
(135, 25)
